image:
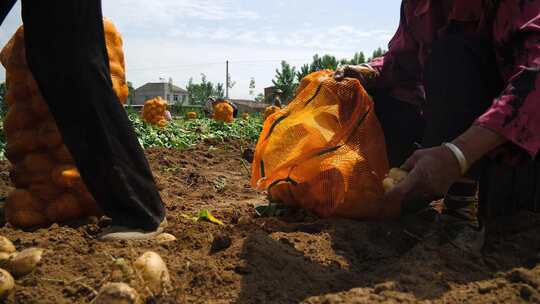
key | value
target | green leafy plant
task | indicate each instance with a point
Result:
(182, 133)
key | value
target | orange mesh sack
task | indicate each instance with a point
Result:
(191, 115)
(48, 186)
(224, 112)
(325, 151)
(154, 112)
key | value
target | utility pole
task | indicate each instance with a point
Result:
(227, 79)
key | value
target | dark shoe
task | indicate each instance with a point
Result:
(422, 224)
(465, 236)
(462, 229)
(459, 218)
(116, 233)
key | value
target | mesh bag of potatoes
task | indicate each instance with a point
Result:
(223, 112)
(325, 151)
(154, 112)
(49, 187)
(191, 115)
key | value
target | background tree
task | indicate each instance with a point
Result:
(259, 97)
(3, 104)
(322, 63)
(198, 93)
(252, 87)
(285, 80)
(377, 53)
(357, 59)
(131, 93)
(303, 72)
(230, 82)
(220, 90)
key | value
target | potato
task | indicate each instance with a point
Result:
(23, 177)
(20, 199)
(397, 174)
(6, 245)
(18, 176)
(165, 238)
(62, 155)
(17, 118)
(6, 283)
(65, 207)
(388, 183)
(153, 271)
(20, 143)
(46, 192)
(66, 176)
(25, 261)
(117, 293)
(28, 219)
(49, 135)
(38, 162)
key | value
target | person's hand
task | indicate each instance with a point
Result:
(431, 173)
(364, 73)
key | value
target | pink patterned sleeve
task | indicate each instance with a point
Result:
(400, 65)
(515, 114)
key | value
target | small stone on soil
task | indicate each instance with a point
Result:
(220, 242)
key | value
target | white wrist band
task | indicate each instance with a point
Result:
(463, 164)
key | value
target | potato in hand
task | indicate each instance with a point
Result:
(394, 177)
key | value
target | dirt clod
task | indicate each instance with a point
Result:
(291, 258)
(221, 241)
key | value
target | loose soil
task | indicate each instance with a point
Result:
(294, 258)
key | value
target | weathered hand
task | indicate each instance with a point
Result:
(363, 73)
(431, 173)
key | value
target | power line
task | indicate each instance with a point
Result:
(176, 67)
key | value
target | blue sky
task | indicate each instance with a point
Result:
(184, 38)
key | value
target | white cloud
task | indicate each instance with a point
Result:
(337, 38)
(164, 13)
(184, 38)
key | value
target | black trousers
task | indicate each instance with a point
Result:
(65, 50)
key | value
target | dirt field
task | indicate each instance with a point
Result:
(291, 259)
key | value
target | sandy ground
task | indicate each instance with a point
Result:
(294, 258)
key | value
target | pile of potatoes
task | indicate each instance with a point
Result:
(149, 269)
(154, 112)
(48, 185)
(223, 112)
(15, 264)
(191, 115)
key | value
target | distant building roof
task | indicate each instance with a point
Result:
(250, 103)
(154, 86)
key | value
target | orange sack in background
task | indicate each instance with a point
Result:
(224, 112)
(48, 186)
(325, 151)
(154, 111)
